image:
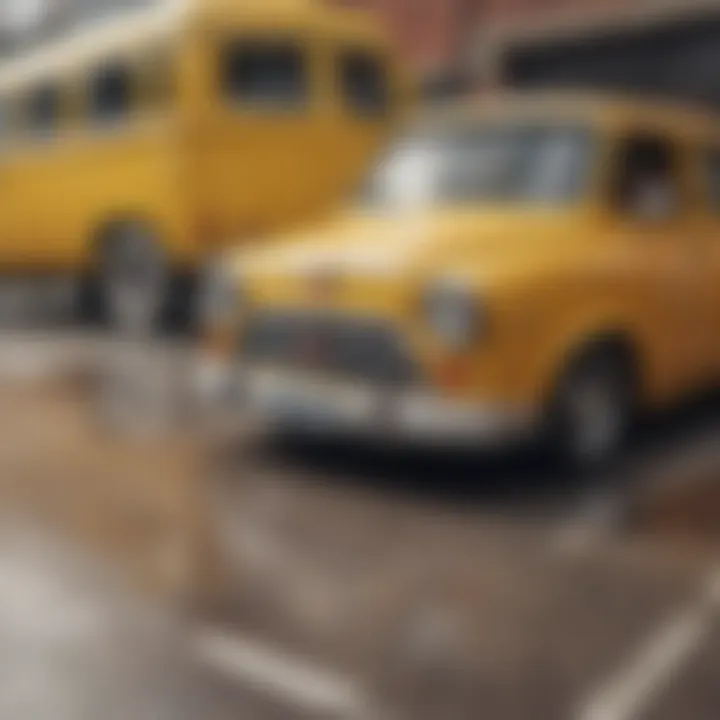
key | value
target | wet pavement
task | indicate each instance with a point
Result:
(75, 645)
(446, 605)
(432, 586)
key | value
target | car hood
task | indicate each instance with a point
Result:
(457, 242)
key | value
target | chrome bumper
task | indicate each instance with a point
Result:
(322, 406)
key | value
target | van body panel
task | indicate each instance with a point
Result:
(201, 171)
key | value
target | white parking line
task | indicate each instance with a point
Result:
(648, 673)
(294, 680)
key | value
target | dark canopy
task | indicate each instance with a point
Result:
(678, 59)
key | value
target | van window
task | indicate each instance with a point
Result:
(364, 84)
(712, 174)
(647, 184)
(42, 110)
(110, 93)
(271, 74)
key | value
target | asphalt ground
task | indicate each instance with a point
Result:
(288, 579)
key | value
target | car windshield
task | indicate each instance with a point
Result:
(538, 164)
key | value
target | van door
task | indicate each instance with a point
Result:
(296, 119)
(259, 145)
(37, 177)
(121, 161)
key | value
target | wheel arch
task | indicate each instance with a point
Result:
(616, 340)
(103, 230)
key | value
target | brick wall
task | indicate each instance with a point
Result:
(436, 34)
(429, 33)
(509, 11)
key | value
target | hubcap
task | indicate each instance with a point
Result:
(595, 415)
(135, 279)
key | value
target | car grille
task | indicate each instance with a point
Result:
(366, 350)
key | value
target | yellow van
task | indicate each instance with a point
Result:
(134, 149)
(535, 266)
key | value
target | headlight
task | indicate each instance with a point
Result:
(221, 296)
(454, 313)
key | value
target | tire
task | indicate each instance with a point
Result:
(592, 410)
(134, 280)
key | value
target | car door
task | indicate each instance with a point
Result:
(709, 165)
(671, 273)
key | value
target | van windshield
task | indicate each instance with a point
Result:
(530, 164)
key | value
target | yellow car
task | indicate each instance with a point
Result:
(529, 265)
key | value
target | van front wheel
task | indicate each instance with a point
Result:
(134, 279)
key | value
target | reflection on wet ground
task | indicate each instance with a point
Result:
(437, 583)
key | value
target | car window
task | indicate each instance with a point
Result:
(110, 93)
(529, 164)
(42, 110)
(364, 83)
(268, 75)
(647, 184)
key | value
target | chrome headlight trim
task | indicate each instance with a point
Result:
(454, 313)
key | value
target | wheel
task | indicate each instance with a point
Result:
(134, 279)
(592, 410)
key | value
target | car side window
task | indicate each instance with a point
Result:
(272, 74)
(712, 179)
(42, 110)
(364, 84)
(647, 183)
(110, 93)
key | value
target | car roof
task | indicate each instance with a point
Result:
(610, 111)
